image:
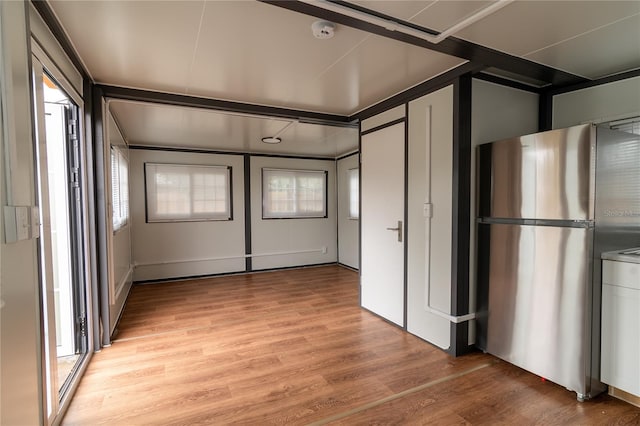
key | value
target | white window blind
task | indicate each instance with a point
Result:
(293, 193)
(631, 125)
(119, 189)
(354, 194)
(182, 192)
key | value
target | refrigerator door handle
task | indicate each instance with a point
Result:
(398, 229)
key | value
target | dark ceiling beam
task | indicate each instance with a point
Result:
(592, 83)
(419, 90)
(139, 95)
(451, 46)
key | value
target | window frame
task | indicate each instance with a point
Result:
(356, 171)
(325, 195)
(628, 125)
(227, 216)
(120, 160)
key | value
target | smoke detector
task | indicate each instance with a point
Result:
(323, 30)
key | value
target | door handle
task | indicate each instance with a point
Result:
(398, 230)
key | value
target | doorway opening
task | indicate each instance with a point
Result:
(62, 262)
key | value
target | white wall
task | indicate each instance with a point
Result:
(292, 235)
(348, 229)
(121, 261)
(183, 249)
(168, 250)
(429, 241)
(497, 112)
(607, 102)
(383, 118)
(20, 366)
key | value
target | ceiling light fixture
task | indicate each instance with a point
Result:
(276, 138)
(271, 139)
(403, 28)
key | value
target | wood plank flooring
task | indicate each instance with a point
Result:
(293, 347)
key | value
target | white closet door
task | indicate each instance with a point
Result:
(382, 221)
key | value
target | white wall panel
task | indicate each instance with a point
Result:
(497, 112)
(607, 102)
(348, 229)
(383, 118)
(292, 235)
(121, 261)
(182, 249)
(20, 358)
(429, 241)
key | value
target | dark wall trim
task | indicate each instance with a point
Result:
(297, 157)
(224, 274)
(101, 215)
(92, 237)
(384, 126)
(351, 268)
(460, 233)
(347, 155)
(592, 83)
(247, 211)
(506, 82)
(450, 46)
(418, 91)
(545, 111)
(214, 152)
(360, 214)
(405, 230)
(222, 105)
(49, 18)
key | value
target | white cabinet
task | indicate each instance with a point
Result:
(620, 359)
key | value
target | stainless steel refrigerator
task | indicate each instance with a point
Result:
(549, 205)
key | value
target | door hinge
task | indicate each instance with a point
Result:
(82, 326)
(73, 129)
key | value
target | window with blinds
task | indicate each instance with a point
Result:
(119, 189)
(184, 192)
(630, 125)
(290, 194)
(354, 191)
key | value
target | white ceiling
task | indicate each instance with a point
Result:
(258, 53)
(167, 126)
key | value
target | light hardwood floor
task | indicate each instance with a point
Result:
(293, 347)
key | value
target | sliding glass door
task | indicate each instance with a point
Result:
(62, 261)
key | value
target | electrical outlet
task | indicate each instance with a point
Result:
(324, 250)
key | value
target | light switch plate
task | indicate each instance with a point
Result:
(428, 210)
(17, 223)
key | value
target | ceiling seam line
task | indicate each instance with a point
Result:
(422, 10)
(333, 64)
(195, 47)
(451, 46)
(581, 34)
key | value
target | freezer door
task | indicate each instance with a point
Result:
(537, 290)
(547, 176)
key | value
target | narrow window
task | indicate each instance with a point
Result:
(119, 188)
(181, 192)
(294, 194)
(354, 191)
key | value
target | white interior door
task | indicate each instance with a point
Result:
(382, 221)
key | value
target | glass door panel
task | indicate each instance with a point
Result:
(61, 241)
